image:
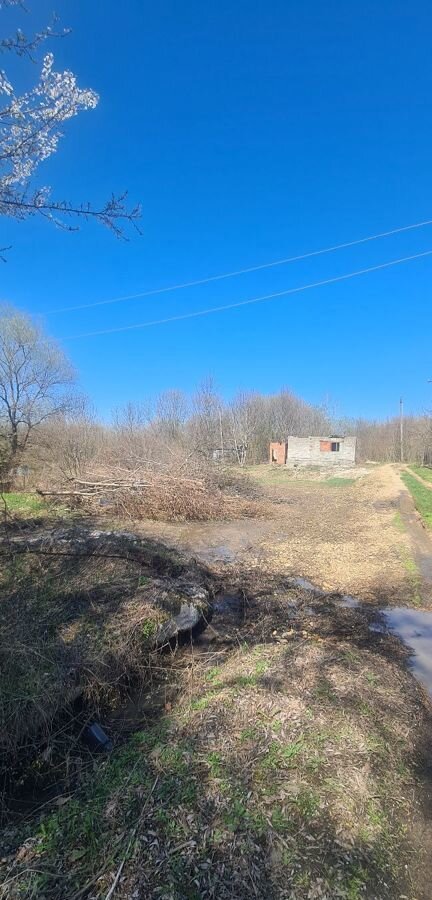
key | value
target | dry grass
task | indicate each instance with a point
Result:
(269, 474)
(344, 539)
(78, 623)
(280, 757)
(285, 769)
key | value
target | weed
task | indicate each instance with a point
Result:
(248, 733)
(212, 674)
(354, 884)
(235, 816)
(217, 836)
(351, 656)
(413, 573)
(261, 667)
(203, 702)
(174, 759)
(214, 762)
(243, 681)
(303, 879)
(148, 629)
(279, 756)
(307, 803)
(375, 815)
(281, 822)
(376, 744)
(323, 690)
(398, 522)
(314, 763)
(152, 737)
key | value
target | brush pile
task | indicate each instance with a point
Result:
(156, 495)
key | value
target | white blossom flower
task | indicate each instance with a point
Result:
(5, 85)
(30, 132)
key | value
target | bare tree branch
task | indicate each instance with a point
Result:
(111, 214)
(22, 45)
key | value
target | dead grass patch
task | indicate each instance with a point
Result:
(79, 619)
(284, 769)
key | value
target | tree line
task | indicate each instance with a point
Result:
(50, 433)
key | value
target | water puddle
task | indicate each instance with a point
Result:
(306, 585)
(218, 554)
(230, 605)
(414, 628)
(349, 602)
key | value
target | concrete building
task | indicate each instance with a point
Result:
(314, 451)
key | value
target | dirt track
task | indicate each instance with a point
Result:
(364, 539)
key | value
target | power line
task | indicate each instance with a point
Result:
(216, 309)
(257, 268)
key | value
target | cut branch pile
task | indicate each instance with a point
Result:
(153, 495)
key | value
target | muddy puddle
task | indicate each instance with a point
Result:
(349, 602)
(306, 585)
(414, 628)
(213, 543)
(219, 554)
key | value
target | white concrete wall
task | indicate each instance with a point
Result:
(307, 452)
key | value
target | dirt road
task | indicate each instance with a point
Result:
(364, 539)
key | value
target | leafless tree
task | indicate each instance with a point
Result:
(207, 412)
(34, 375)
(171, 414)
(76, 442)
(131, 443)
(246, 416)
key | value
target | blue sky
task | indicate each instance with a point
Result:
(248, 131)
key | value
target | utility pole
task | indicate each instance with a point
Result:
(401, 420)
(221, 432)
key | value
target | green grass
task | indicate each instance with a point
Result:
(31, 504)
(422, 497)
(413, 573)
(424, 471)
(230, 793)
(279, 475)
(270, 474)
(398, 522)
(338, 481)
